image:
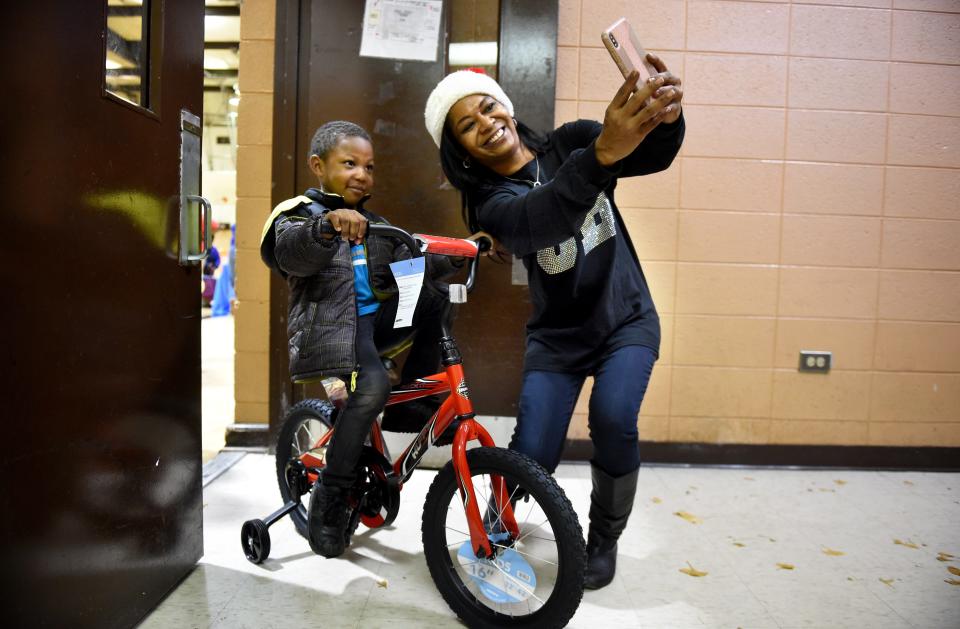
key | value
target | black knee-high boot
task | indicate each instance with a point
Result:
(610, 504)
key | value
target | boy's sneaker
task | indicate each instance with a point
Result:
(327, 520)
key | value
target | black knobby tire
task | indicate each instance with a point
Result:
(443, 498)
(304, 411)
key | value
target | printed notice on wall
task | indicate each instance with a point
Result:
(401, 29)
(409, 276)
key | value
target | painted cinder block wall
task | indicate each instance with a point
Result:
(815, 205)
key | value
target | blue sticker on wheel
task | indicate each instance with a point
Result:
(508, 578)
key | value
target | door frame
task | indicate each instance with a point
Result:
(527, 71)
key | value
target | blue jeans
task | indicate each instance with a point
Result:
(547, 400)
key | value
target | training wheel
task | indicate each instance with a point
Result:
(255, 539)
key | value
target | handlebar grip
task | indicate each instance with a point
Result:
(484, 244)
(326, 228)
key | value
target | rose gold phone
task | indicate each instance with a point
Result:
(625, 48)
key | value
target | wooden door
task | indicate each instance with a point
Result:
(101, 473)
(321, 77)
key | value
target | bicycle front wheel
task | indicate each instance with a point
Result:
(533, 580)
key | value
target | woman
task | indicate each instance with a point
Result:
(550, 202)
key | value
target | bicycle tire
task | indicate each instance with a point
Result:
(521, 470)
(303, 411)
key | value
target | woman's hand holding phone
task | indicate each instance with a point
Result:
(671, 88)
(629, 118)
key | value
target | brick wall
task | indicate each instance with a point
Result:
(254, 187)
(815, 205)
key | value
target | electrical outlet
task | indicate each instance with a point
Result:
(815, 361)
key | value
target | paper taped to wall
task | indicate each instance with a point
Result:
(401, 29)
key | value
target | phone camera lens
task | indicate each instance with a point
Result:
(613, 40)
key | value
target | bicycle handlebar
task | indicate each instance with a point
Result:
(379, 229)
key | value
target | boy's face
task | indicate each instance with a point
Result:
(346, 170)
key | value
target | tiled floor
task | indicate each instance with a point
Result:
(216, 335)
(780, 549)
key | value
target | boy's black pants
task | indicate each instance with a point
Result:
(373, 384)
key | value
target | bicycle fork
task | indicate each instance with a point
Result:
(479, 540)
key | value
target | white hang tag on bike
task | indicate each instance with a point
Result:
(409, 276)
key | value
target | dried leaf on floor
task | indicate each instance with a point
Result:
(906, 482)
(785, 566)
(907, 543)
(748, 478)
(689, 517)
(887, 582)
(942, 556)
(381, 583)
(953, 570)
(693, 572)
(832, 552)
(656, 500)
(952, 581)
(840, 482)
(739, 545)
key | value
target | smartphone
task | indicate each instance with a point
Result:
(625, 48)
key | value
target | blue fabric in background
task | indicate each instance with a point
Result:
(224, 293)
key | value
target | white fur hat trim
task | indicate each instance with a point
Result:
(452, 88)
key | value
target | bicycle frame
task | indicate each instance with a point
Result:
(456, 407)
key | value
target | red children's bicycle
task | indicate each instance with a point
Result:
(508, 552)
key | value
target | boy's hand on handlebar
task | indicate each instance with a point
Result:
(349, 224)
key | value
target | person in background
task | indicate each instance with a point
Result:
(224, 293)
(212, 262)
(550, 201)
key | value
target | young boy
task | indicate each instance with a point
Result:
(342, 295)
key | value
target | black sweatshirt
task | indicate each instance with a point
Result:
(587, 287)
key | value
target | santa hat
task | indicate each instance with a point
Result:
(452, 88)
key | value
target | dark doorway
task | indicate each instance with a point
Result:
(321, 77)
(101, 489)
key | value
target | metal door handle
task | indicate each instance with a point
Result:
(207, 226)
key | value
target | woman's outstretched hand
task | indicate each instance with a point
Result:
(496, 252)
(631, 116)
(671, 87)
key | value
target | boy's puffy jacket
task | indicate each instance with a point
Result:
(322, 321)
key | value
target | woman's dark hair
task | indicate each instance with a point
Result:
(468, 180)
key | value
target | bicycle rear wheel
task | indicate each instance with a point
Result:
(302, 427)
(535, 580)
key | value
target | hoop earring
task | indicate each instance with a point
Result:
(466, 163)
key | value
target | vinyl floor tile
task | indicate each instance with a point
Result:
(741, 523)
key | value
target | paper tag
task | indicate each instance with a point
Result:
(506, 579)
(409, 276)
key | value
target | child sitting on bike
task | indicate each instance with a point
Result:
(343, 300)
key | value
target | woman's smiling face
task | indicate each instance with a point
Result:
(484, 128)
